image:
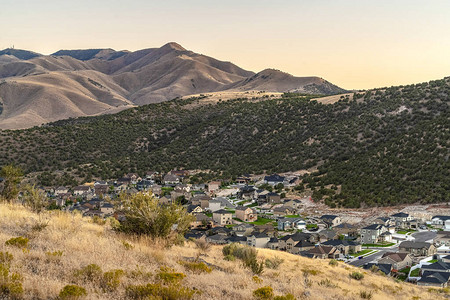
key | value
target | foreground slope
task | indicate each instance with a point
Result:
(78, 242)
(127, 78)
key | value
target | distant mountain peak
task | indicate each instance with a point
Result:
(20, 54)
(173, 46)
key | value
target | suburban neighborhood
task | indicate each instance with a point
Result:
(411, 244)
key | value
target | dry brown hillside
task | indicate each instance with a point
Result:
(36, 89)
(61, 244)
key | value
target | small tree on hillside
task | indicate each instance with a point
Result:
(12, 176)
(144, 215)
(34, 198)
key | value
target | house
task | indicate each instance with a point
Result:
(290, 223)
(344, 247)
(243, 229)
(246, 214)
(61, 190)
(156, 189)
(385, 237)
(215, 205)
(437, 279)
(171, 179)
(370, 234)
(283, 211)
(322, 252)
(101, 189)
(213, 186)
(443, 238)
(398, 260)
(247, 192)
(273, 243)
(289, 241)
(417, 248)
(403, 220)
(243, 180)
(328, 234)
(81, 190)
(222, 217)
(259, 240)
(439, 221)
(237, 239)
(346, 229)
(123, 180)
(438, 266)
(385, 221)
(385, 268)
(273, 198)
(295, 204)
(151, 175)
(107, 208)
(274, 179)
(302, 246)
(202, 221)
(133, 176)
(194, 209)
(267, 229)
(331, 220)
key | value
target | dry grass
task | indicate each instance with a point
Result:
(46, 271)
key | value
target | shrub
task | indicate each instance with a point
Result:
(169, 276)
(263, 293)
(248, 255)
(356, 275)
(10, 284)
(90, 273)
(72, 292)
(273, 263)
(127, 245)
(139, 273)
(307, 271)
(333, 262)
(54, 253)
(257, 280)
(157, 291)
(6, 259)
(366, 295)
(111, 280)
(327, 283)
(19, 242)
(98, 220)
(145, 215)
(196, 267)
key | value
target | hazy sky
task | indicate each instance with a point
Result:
(355, 44)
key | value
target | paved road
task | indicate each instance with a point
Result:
(424, 236)
(372, 257)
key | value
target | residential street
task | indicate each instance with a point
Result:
(372, 257)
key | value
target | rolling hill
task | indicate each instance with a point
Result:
(37, 89)
(381, 147)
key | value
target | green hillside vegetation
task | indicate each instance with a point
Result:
(382, 147)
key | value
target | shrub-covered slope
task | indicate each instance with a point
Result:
(383, 147)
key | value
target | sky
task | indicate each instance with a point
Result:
(356, 44)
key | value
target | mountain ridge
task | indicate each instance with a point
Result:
(136, 78)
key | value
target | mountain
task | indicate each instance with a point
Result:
(37, 89)
(20, 54)
(276, 81)
(376, 148)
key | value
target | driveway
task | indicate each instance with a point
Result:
(424, 236)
